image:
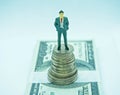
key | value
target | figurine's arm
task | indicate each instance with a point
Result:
(67, 24)
(56, 24)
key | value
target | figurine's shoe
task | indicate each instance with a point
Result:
(66, 48)
(59, 48)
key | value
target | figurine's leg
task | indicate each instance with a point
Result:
(59, 40)
(65, 40)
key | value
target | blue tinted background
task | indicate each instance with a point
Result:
(36, 18)
(23, 22)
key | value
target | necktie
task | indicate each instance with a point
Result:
(61, 20)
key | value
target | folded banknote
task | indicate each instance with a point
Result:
(88, 82)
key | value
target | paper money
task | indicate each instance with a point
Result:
(83, 51)
(87, 88)
(88, 82)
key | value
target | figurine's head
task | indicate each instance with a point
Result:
(61, 14)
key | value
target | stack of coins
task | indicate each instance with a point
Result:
(63, 69)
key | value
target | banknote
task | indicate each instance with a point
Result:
(83, 51)
(87, 83)
(84, 88)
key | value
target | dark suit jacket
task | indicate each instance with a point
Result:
(65, 24)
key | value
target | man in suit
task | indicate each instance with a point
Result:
(61, 24)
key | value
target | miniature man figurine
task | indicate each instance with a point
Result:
(61, 24)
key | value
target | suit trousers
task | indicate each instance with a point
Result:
(60, 32)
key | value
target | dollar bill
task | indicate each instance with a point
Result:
(83, 51)
(85, 88)
(88, 82)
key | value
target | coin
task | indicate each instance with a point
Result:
(63, 69)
